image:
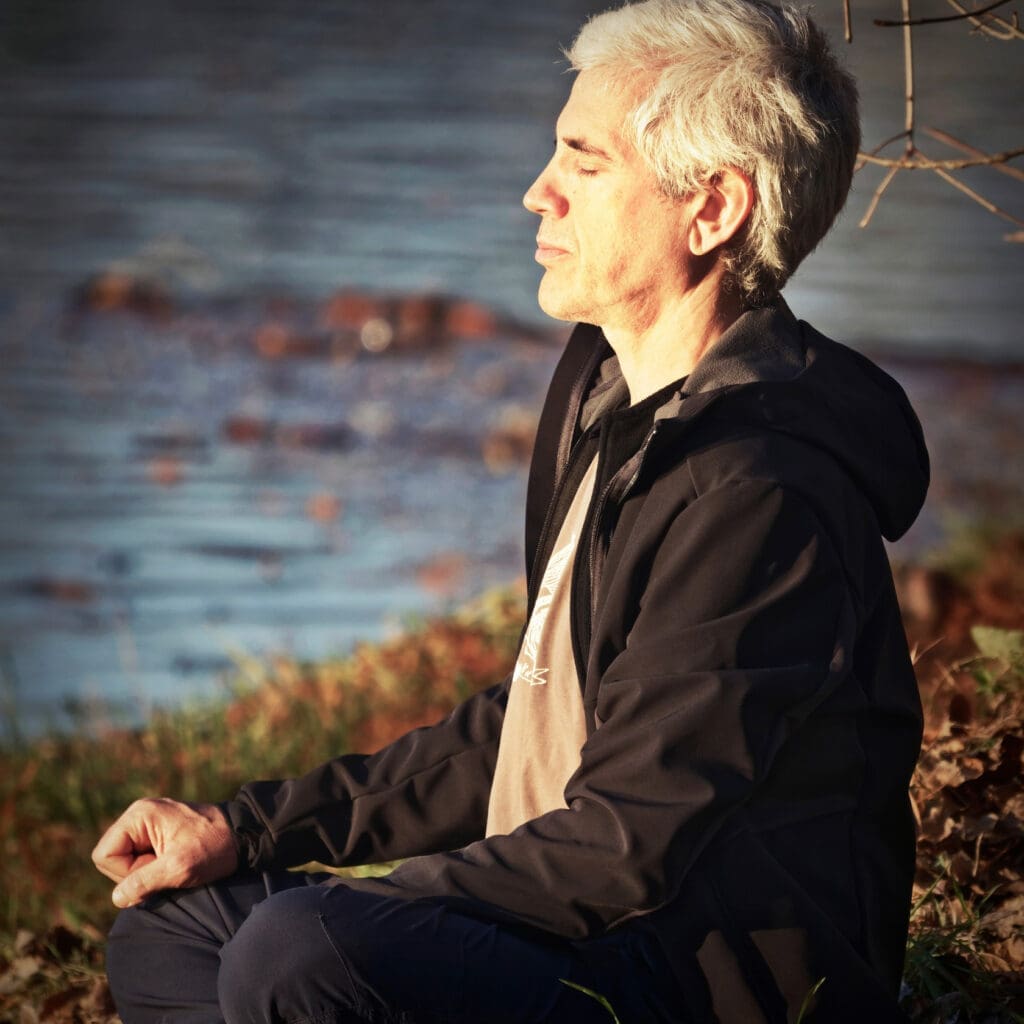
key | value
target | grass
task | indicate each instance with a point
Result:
(965, 957)
(593, 995)
(948, 958)
(59, 793)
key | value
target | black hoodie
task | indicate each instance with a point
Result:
(753, 717)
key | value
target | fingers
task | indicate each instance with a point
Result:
(120, 846)
(163, 844)
(150, 875)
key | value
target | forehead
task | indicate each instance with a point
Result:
(596, 112)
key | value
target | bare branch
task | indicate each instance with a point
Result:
(950, 140)
(914, 160)
(908, 75)
(863, 158)
(991, 25)
(873, 205)
(964, 15)
(888, 142)
(979, 199)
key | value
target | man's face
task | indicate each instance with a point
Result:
(611, 242)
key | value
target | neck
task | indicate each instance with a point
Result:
(665, 345)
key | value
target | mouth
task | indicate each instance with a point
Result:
(547, 252)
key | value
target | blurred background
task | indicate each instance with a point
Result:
(270, 356)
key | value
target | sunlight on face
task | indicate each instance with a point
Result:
(610, 241)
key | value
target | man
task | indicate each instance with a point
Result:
(691, 797)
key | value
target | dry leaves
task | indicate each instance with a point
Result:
(58, 977)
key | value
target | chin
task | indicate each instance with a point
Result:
(558, 314)
(558, 306)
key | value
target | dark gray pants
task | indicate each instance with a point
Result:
(292, 947)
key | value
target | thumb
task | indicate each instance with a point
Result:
(147, 876)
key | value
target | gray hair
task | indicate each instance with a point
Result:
(743, 84)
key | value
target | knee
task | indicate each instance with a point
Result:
(280, 966)
(153, 965)
(124, 944)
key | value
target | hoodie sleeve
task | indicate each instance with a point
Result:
(426, 791)
(744, 626)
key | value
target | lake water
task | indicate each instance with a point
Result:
(256, 158)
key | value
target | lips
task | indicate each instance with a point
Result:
(547, 251)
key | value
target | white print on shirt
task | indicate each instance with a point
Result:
(526, 665)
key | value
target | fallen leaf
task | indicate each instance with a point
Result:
(20, 970)
(53, 1004)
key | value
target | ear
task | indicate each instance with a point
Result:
(719, 211)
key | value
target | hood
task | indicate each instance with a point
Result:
(781, 372)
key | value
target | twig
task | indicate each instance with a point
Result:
(847, 22)
(992, 25)
(979, 199)
(914, 160)
(916, 655)
(888, 142)
(907, 21)
(908, 75)
(915, 810)
(876, 198)
(863, 158)
(950, 140)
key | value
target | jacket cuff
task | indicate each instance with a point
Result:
(247, 831)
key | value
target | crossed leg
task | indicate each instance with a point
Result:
(288, 947)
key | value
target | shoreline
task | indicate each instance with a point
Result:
(190, 475)
(450, 316)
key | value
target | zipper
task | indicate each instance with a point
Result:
(595, 537)
(639, 458)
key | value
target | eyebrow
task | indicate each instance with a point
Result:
(587, 148)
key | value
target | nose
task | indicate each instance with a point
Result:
(544, 196)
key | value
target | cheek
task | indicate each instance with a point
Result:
(626, 224)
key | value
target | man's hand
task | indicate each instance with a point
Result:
(164, 844)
